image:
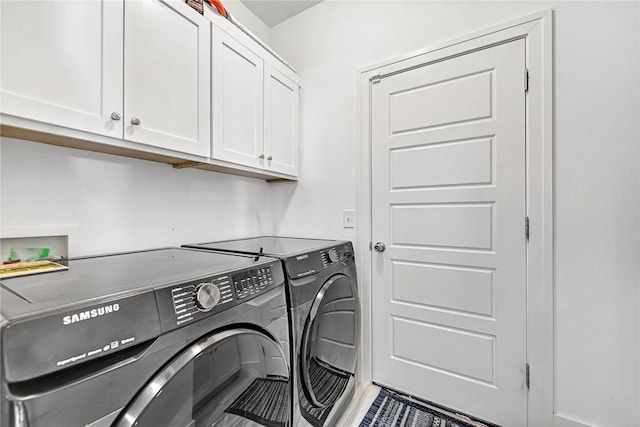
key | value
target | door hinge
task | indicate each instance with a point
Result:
(527, 375)
(370, 246)
(376, 78)
(526, 80)
(526, 227)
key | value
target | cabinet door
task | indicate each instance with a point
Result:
(237, 77)
(61, 63)
(166, 76)
(281, 122)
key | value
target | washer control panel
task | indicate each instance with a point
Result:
(195, 300)
(251, 282)
(200, 297)
(207, 296)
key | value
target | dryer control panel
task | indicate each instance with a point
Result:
(314, 262)
(196, 300)
(336, 254)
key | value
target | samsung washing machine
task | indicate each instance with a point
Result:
(325, 320)
(168, 337)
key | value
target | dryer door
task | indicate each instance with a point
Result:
(233, 377)
(329, 348)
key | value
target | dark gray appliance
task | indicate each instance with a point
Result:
(167, 337)
(325, 320)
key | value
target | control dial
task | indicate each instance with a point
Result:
(333, 255)
(207, 296)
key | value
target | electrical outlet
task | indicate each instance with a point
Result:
(348, 218)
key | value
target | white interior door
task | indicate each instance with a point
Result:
(448, 200)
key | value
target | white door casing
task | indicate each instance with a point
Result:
(536, 30)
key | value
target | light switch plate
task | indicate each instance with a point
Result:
(348, 218)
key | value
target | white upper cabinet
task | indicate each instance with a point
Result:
(238, 85)
(255, 104)
(61, 63)
(167, 55)
(281, 96)
(100, 66)
(151, 79)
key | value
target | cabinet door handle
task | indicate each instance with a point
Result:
(135, 121)
(270, 158)
(115, 116)
(261, 156)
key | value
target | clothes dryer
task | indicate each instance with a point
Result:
(167, 337)
(324, 320)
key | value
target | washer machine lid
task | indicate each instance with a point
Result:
(91, 279)
(280, 247)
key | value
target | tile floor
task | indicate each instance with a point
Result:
(363, 397)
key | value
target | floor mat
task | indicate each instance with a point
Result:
(265, 401)
(393, 410)
(328, 384)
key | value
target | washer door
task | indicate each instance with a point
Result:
(233, 377)
(329, 348)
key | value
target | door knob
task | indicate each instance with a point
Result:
(135, 121)
(261, 156)
(115, 116)
(379, 247)
(270, 158)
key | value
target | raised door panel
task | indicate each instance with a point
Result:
(237, 78)
(167, 66)
(61, 63)
(281, 99)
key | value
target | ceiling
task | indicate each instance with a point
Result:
(273, 12)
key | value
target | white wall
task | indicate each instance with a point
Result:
(242, 14)
(597, 186)
(109, 203)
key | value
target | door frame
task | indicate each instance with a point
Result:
(537, 30)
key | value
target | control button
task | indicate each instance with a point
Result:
(333, 255)
(207, 296)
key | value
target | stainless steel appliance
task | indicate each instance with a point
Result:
(168, 337)
(325, 320)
